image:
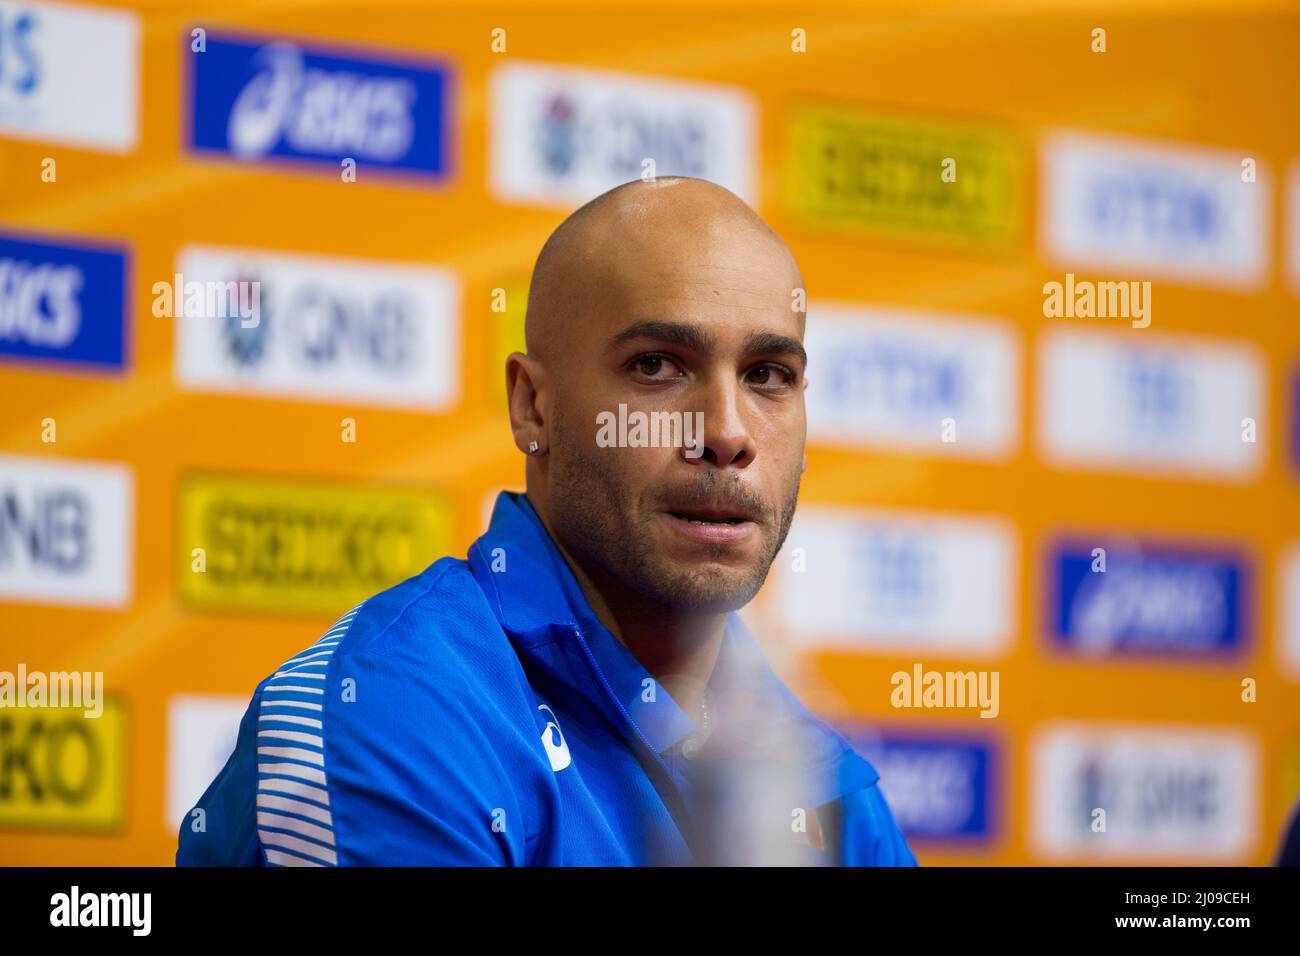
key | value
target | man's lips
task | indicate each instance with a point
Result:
(712, 525)
(717, 515)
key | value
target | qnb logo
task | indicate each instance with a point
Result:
(1160, 794)
(20, 68)
(1163, 210)
(39, 303)
(619, 137)
(555, 136)
(616, 138)
(557, 749)
(74, 908)
(318, 111)
(321, 327)
(327, 327)
(48, 531)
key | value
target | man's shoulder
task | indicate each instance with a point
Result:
(437, 612)
(433, 632)
(363, 745)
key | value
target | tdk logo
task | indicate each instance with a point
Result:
(1170, 214)
(62, 302)
(919, 381)
(1154, 209)
(1125, 599)
(916, 381)
(284, 100)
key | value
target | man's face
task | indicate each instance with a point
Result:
(708, 329)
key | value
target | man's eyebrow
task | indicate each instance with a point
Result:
(678, 333)
(691, 337)
(766, 343)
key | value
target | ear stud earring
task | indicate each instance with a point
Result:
(532, 447)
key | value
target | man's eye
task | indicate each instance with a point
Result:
(654, 366)
(771, 375)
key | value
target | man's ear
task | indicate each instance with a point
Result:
(528, 393)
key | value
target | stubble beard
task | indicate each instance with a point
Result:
(592, 516)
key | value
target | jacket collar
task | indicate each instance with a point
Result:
(540, 605)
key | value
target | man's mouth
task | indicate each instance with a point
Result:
(694, 519)
(712, 525)
(710, 515)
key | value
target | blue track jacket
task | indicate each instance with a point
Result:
(480, 714)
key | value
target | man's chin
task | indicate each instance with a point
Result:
(707, 588)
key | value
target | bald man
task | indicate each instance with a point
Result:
(580, 690)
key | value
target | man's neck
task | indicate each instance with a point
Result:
(678, 648)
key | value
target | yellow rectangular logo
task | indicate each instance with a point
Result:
(60, 769)
(509, 308)
(854, 169)
(269, 544)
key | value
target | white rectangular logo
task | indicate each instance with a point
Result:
(883, 378)
(561, 136)
(202, 730)
(69, 74)
(906, 582)
(327, 329)
(1126, 792)
(1148, 210)
(1152, 403)
(66, 532)
(1288, 610)
(1291, 252)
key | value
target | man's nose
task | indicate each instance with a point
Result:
(726, 436)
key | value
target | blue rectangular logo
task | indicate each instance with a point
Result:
(64, 303)
(283, 100)
(938, 787)
(1295, 420)
(1131, 599)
